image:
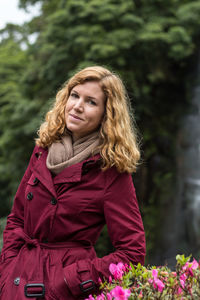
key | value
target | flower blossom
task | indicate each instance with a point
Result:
(140, 294)
(120, 294)
(100, 297)
(117, 270)
(183, 278)
(157, 283)
(109, 296)
(179, 291)
(99, 281)
(190, 266)
(90, 298)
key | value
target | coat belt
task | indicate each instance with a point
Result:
(36, 258)
(50, 245)
(36, 243)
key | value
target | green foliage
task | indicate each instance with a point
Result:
(149, 283)
(118, 34)
(2, 226)
(182, 260)
(18, 122)
(103, 245)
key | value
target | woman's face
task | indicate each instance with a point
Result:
(84, 109)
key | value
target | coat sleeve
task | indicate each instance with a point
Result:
(125, 229)
(12, 243)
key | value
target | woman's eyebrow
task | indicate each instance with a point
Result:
(89, 97)
(74, 91)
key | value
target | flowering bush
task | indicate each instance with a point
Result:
(139, 282)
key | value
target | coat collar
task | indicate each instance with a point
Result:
(68, 175)
(74, 173)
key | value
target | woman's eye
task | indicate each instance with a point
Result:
(92, 102)
(74, 95)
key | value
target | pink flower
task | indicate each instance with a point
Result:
(109, 296)
(183, 278)
(192, 267)
(140, 294)
(180, 291)
(189, 266)
(160, 284)
(117, 270)
(120, 294)
(99, 281)
(150, 280)
(184, 268)
(90, 298)
(157, 283)
(154, 273)
(195, 264)
(100, 297)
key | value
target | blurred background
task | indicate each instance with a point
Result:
(154, 46)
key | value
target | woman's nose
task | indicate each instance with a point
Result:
(79, 105)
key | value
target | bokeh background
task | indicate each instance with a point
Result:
(154, 46)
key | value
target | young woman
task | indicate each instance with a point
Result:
(78, 179)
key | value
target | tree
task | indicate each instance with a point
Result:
(16, 111)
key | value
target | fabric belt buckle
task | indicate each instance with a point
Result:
(87, 288)
(32, 286)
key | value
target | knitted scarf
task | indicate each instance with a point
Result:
(65, 153)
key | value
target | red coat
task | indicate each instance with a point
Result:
(54, 224)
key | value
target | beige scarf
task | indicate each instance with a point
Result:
(65, 153)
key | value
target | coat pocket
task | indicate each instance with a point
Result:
(58, 286)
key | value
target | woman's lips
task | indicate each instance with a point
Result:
(75, 117)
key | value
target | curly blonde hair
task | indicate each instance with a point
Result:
(119, 145)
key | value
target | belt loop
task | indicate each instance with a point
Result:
(82, 266)
(87, 284)
(32, 294)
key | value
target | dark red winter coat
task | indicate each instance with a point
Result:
(55, 222)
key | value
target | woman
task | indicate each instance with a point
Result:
(78, 179)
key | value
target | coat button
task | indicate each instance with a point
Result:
(17, 281)
(85, 171)
(30, 196)
(36, 180)
(53, 201)
(45, 241)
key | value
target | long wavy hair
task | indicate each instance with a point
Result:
(119, 146)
